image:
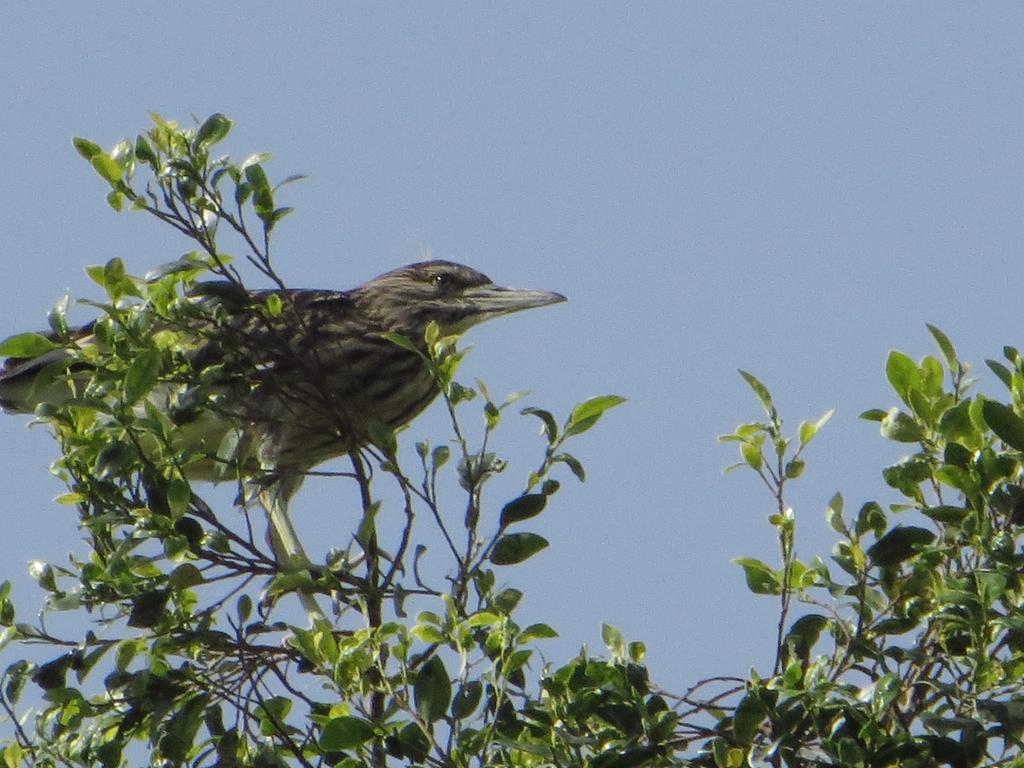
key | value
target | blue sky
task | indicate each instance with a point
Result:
(791, 189)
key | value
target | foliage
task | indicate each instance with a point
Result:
(911, 651)
(906, 649)
(196, 652)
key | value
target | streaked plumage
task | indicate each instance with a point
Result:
(304, 386)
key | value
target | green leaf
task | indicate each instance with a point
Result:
(945, 513)
(931, 377)
(26, 345)
(439, 456)
(550, 425)
(761, 391)
(243, 606)
(808, 430)
(382, 436)
(903, 375)
(148, 609)
(57, 317)
(537, 632)
(86, 148)
(402, 341)
(113, 272)
(412, 742)
(1005, 374)
(277, 215)
(179, 494)
(873, 414)
(142, 375)
(467, 699)
(871, 517)
(750, 713)
(945, 346)
(274, 306)
(1005, 423)
(637, 650)
(834, 515)
(345, 733)
(516, 547)
(957, 455)
(956, 425)
(899, 544)
(804, 633)
(184, 576)
(886, 689)
(573, 464)
(432, 690)
(144, 151)
(272, 713)
(113, 458)
(991, 586)
(762, 579)
(262, 195)
(214, 129)
(613, 640)
(507, 600)
(794, 468)
(107, 167)
(257, 177)
(115, 200)
(44, 575)
(896, 626)
(586, 414)
(526, 506)
(901, 428)
(751, 453)
(492, 415)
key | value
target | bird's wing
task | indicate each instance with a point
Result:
(258, 347)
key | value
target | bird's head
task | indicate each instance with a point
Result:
(456, 297)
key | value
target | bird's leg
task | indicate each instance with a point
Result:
(283, 538)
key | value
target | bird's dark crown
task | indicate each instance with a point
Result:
(407, 298)
(426, 278)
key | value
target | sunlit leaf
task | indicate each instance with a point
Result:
(762, 579)
(834, 515)
(761, 391)
(26, 345)
(903, 375)
(345, 733)
(107, 167)
(142, 375)
(901, 428)
(213, 130)
(586, 414)
(86, 148)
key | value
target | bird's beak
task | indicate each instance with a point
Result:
(492, 300)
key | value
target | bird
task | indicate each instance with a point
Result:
(298, 376)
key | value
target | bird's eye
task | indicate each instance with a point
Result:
(441, 281)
